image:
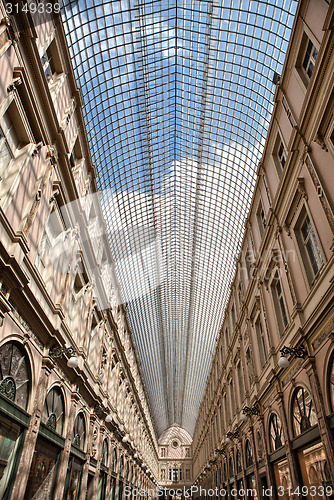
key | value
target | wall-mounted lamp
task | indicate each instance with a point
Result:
(298, 352)
(125, 438)
(109, 418)
(254, 410)
(135, 455)
(103, 412)
(231, 435)
(59, 352)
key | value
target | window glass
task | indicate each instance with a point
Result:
(14, 374)
(303, 412)
(283, 479)
(53, 412)
(79, 431)
(315, 472)
(331, 382)
(41, 481)
(275, 432)
(311, 245)
(310, 58)
(9, 444)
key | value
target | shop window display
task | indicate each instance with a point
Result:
(283, 479)
(42, 475)
(315, 472)
(9, 442)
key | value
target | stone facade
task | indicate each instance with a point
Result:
(74, 417)
(265, 423)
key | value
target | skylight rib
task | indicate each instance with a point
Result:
(178, 97)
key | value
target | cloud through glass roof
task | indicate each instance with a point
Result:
(178, 97)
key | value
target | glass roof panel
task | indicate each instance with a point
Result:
(178, 96)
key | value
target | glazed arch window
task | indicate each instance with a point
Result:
(275, 432)
(303, 413)
(15, 377)
(248, 454)
(331, 382)
(79, 431)
(53, 413)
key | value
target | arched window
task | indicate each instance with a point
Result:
(331, 381)
(53, 413)
(275, 432)
(79, 431)
(127, 471)
(14, 374)
(303, 413)
(230, 467)
(104, 456)
(248, 454)
(114, 460)
(239, 466)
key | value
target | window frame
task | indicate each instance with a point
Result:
(302, 69)
(303, 255)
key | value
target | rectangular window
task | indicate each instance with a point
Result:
(241, 382)
(261, 218)
(310, 58)
(279, 303)
(261, 341)
(48, 64)
(309, 246)
(188, 474)
(9, 141)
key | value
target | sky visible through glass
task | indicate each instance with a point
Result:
(178, 97)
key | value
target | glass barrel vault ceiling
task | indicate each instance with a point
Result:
(178, 96)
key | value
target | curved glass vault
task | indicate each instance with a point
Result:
(178, 96)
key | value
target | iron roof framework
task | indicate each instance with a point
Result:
(178, 96)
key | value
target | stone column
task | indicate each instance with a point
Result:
(318, 401)
(67, 448)
(32, 432)
(292, 462)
